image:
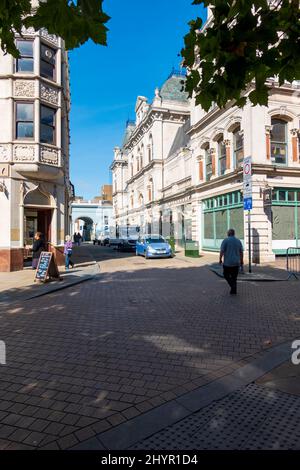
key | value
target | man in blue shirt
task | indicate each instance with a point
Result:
(232, 251)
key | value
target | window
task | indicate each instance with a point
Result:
(208, 164)
(24, 121)
(47, 129)
(25, 62)
(238, 147)
(47, 62)
(106, 220)
(279, 142)
(222, 157)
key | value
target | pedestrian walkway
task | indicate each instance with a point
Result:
(275, 271)
(20, 285)
(159, 338)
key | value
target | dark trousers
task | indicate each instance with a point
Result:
(231, 274)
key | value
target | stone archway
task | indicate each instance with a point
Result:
(85, 226)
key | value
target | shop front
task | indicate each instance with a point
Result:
(219, 214)
(285, 219)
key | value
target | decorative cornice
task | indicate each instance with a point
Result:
(49, 37)
(155, 115)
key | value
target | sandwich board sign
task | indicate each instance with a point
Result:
(47, 268)
(247, 183)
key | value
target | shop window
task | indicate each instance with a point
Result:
(283, 222)
(282, 196)
(237, 221)
(25, 62)
(47, 128)
(298, 197)
(238, 147)
(209, 225)
(279, 142)
(24, 121)
(221, 224)
(291, 196)
(47, 63)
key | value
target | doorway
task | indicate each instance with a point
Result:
(36, 220)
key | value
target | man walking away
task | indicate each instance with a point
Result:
(232, 251)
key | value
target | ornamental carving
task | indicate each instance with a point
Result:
(4, 153)
(49, 37)
(49, 94)
(24, 88)
(49, 156)
(27, 31)
(24, 153)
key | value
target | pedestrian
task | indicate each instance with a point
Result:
(77, 238)
(37, 247)
(232, 252)
(68, 248)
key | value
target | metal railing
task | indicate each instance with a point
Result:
(293, 262)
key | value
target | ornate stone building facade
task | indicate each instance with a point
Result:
(143, 168)
(179, 170)
(34, 146)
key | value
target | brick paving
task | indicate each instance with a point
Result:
(86, 359)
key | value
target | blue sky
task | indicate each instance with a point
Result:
(144, 39)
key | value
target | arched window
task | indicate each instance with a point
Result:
(279, 151)
(221, 156)
(208, 162)
(238, 147)
(138, 163)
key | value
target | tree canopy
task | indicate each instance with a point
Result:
(75, 21)
(244, 42)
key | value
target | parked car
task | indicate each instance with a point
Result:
(126, 238)
(128, 244)
(153, 246)
(101, 238)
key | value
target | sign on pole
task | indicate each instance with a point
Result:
(247, 180)
(247, 187)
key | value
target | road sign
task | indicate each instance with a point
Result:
(247, 183)
(247, 203)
